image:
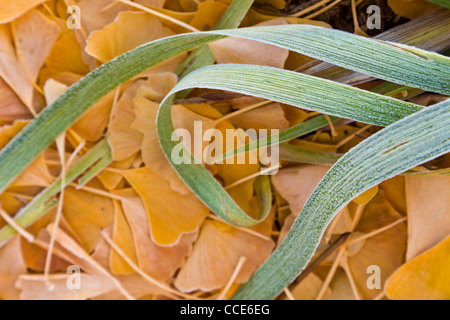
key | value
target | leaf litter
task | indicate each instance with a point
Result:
(137, 220)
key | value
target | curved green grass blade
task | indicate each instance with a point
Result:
(283, 86)
(405, 144)
(422, 69)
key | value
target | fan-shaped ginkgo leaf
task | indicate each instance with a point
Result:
(170, 213)
(159, 262)
(426, 277)
(13, 9)
(128, 31)
(428, 203)
(216, 255)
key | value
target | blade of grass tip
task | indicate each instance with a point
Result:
(203, 56)
(378, 59)
(292, 153)
(442, 3)
(39, 205)
(416, 139)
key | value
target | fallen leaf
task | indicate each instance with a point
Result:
(426, 277)
(87, 214)
(159, 262)
(239, 50)
(13, 9)
(411, 9)
(9, 272)
(216, 254)
(428, 203)
(34, 36)
(120, 36)
(208, 14)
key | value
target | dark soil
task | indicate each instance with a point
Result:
(340, 16)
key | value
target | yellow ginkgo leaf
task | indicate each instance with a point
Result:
(308, 288)
(296, 184)
(216, 255)
(159, 262)
(11, 108)
(111, 180)
(87, 214)
(385, 250)
(36, 174)
(145, 123)
(61, 59)
(428, 203)
(394, 190)
(33, 287)
(25, 46)
(239, 50)
(411, 9)
(152, 3)
(277, 4)
(267, 117)
(426, 277)
(366, 196)
(232, 173)
(170, 213)
(122, 137)
(9, 272)
(96, 14)
(128, 31)
(8, 132)
(13, 9)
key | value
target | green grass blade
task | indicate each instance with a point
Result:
(306, 92)
(407, 66)
(292, 153)
(405, 144)
(40, 204)
(203, 57)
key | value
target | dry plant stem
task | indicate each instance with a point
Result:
(41, 204)
(233, 277)
(344, 265)
(377, 231)
(241, 111)
(358, 30)
(249, 231)
(337, 244)
(353, 135)
(61, 145)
